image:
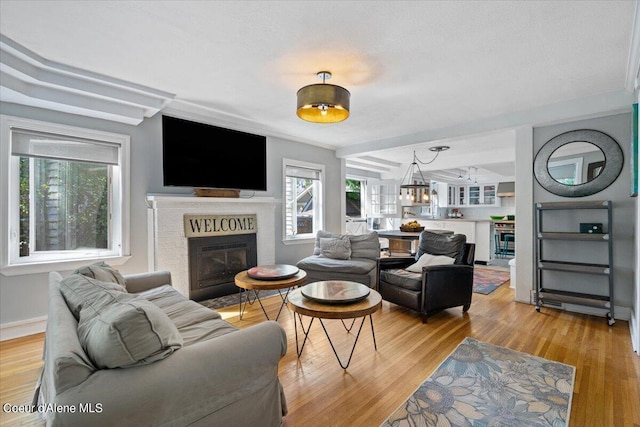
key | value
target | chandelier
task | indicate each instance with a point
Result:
(414, 184)
(323, 102)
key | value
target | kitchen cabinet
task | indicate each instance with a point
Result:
(554, 289)
(471, 195)
(482, 195)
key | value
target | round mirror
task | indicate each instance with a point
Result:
(578, 163)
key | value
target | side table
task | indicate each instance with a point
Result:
(303, 306)
(247, 284)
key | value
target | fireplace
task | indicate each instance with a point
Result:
(214, 262)
(169, 244)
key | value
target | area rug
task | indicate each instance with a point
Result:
(234, 299)
(481, 384)
(486, 280)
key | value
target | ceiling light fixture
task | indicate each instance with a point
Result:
(414, 190)
(323, 102)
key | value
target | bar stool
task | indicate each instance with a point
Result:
(505, 245)
(498, 249)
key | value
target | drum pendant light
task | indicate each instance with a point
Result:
(323, 102)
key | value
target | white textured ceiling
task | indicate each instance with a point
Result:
(411, 67)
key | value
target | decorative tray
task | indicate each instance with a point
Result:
(273, 272)
(335, 292)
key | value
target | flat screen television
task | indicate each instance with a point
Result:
(201, 155)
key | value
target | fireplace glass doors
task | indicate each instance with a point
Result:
(214, 262)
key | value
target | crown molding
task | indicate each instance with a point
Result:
(27, 78)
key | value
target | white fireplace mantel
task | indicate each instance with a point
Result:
(168, 247)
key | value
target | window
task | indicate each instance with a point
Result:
(67, 192)
(354, 198)
(303, 201)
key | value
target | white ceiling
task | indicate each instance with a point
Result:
(418, 72)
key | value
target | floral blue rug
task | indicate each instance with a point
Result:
(481, 384)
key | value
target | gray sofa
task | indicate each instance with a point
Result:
(343, 257)
(208, 373)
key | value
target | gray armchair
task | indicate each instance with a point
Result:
(343, 257)
(436, 287)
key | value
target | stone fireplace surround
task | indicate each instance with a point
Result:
(168, 246)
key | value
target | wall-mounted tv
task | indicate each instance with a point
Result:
(201, 155)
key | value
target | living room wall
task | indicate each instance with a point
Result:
(23, 298)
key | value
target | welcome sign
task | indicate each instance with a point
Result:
(219, 225)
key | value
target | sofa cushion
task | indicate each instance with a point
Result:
(441, 244)
(353, 265)
(103, 272)
(365, 245)
(335, 247)
(195, 322)
(402, 278)
(362, 245)
(79, 290)
(126, 333)
(427, 259)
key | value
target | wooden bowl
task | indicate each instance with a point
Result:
(412, 229)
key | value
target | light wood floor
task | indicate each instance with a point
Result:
(320, 393)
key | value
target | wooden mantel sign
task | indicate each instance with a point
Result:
(219, 225)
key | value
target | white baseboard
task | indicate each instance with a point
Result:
(23, 328)
(633, 328)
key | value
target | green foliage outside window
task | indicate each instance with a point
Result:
(70, 207)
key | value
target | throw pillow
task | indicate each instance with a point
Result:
(127, 333)
(103, 272)
(78, 290)
(321, 234)
(336, 248)
(427, 260)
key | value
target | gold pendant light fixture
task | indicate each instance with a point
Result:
(323, 102)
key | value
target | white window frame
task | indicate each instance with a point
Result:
(318, 205)
(576, 162)
(10, 261)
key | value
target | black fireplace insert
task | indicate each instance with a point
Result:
(214, 261)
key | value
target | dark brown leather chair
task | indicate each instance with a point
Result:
(437, 287)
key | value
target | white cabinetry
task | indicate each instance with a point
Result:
(474, 195)
(478, 232)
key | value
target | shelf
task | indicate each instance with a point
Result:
(591, 237)
(545, 240)
(590, 300)
(596, 204)
(576, 267)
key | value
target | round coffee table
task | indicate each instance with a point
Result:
(332, 309)
(246, 284)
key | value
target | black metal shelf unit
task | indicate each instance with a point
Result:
(552, 297)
